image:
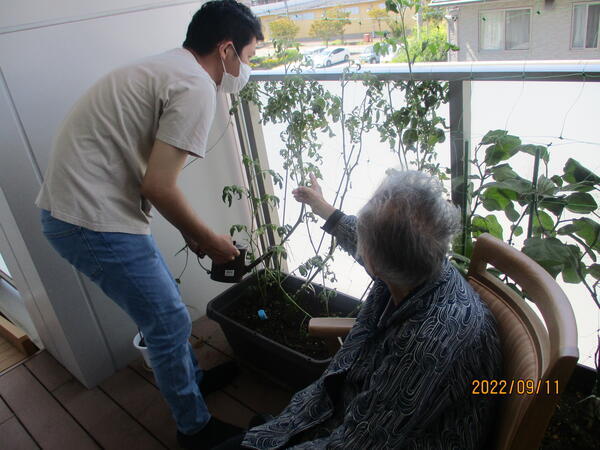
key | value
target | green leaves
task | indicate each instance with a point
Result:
(532, 150)
(237, 228)
(569, 250)
(586, 229)
(504, 172)
(496, 199)
(576, 173)
(230, 191)
(550, 253)
(581, 202)
(503, 146)
(488, 224)
(542, 222)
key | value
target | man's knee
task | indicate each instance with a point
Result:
(170, 332)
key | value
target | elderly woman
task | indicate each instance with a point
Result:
(403, 377)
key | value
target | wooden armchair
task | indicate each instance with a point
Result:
(545, 352)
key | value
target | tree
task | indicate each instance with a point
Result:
(324, 29)
(339, 16)
(283, 29)
(378, 15)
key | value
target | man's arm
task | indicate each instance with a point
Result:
(159, 186)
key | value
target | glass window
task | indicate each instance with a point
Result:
(490, 30)
(517, 29)
(579, 12)
(593, 24)
(354, 11)
(586, 25)
(504, 30)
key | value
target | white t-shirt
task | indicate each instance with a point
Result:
(101, 152)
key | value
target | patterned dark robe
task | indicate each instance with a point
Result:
(403, 378)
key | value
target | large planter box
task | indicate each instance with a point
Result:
(290, 367)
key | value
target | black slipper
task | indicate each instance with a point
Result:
(213, 433)
(218, 377)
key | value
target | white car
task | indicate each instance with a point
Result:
(330, 56)
(311, 51)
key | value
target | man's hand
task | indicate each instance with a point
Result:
(313, 196)
(221, 249)
(193, 246)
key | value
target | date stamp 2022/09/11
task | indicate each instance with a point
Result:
(519, 386)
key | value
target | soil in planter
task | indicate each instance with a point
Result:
(571, 427)
(285, 323)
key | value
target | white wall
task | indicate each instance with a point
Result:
(550, 33)
(44, 69)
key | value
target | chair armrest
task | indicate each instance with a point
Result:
(330, 326)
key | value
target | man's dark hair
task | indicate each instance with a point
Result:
(222, 20)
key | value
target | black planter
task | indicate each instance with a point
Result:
(288, 366)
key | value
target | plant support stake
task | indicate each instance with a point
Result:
(536, 168)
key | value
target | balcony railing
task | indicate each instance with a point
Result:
(460, 76)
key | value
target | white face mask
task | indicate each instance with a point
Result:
(233, 85)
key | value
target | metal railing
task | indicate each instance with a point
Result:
(458, 74)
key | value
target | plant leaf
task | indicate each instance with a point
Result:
(492, 136)
(553, 204)
(504, 172)
(576, 173)
(545, 186)
(504, 146)
(594, 270)
(532, 149)
(511, 213)
(542, 221)
(581, 202)
(586, 229)
(550, 253)
(488, 224)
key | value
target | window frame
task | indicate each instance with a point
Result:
(584, 48)
(503, 49)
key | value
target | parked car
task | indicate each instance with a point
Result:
(368, 56)
(312, 50)
(308, 54)
(330, 56)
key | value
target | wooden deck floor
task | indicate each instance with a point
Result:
(43, 406)
(9, 355)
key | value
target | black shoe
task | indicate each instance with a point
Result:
(218, 377)
(213, 433)
(259, 419)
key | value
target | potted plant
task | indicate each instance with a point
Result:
(265, 317)
(553, 219)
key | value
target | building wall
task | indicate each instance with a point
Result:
(360, 22)
(550, 32)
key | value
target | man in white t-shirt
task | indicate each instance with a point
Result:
(119, 151)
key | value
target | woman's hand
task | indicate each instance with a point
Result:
(313, 196)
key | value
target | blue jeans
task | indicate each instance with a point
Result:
(131, 271)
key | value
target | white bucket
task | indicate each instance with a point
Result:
(143, 350)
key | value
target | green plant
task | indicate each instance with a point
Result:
(552, 218)
(307, 110)
(283, 29)
(290, 55)
(332, 24)
(379, 15)
(412, 130)
(430, 45)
